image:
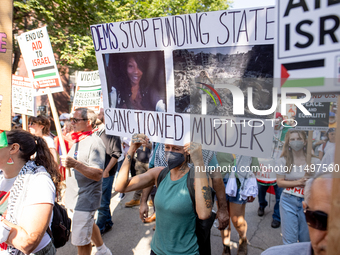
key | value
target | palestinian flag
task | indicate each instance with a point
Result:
(303, 74)
(3, 139)
(44, 72)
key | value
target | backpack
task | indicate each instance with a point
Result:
(203, 227)
(60, 227)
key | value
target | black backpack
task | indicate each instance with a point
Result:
(61, 226)
(203, 227)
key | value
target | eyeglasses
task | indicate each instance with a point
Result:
(316, 219)
(73, 120)
(31, 123)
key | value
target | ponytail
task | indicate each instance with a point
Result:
(30, 145)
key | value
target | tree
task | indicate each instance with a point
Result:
(68, 22)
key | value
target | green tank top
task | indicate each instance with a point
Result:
(176, 219)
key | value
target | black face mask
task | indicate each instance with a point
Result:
(174, 159)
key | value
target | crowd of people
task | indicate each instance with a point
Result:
(33, 176)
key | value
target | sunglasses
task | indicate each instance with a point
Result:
(316, 219)
(73, 120)
(31, 123)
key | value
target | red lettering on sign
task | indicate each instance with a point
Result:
(36, 45)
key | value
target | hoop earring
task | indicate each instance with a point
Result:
(10, 161)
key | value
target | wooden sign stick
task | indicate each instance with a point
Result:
(333, 235)
(57, 124)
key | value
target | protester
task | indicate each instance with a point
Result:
(84, 187)
(40, 126)
(141, 166)
(329, 145)
(113, 151)
(176, 218)
(292, 178)
(29, 181)
(241, 187)
(317, 206)
(278, 141)
(332, 120)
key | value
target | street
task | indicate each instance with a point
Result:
(129, 236)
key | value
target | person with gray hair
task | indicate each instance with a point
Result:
(317, 206)
(84, 187)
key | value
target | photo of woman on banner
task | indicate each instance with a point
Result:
(136, 80)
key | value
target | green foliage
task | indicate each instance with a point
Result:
(68, 21)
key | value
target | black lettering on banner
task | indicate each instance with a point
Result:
(128, 122)
(242, 134)
(245, 30)
(199, 129)
(166, 126)
(177, 33)
(268, 22)
(234, 29)
(126, 34)
(194, 28)
(155, 28)
(206, 132)
(145, 29)
(331, 31)
(154, 124)
(175, 125)
(287, 36)
(122, 119)
(200, 28)
(291, 6)
(129, 23)
(304, 33)
(160, 124)
(226, 134)
(138, 121)
(255, 30)
(107, 111)
(140, 34)
(170, 32)
(253, 136)
(216, 132)
(228, 33)
(116, 120)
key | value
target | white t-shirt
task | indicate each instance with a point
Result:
(49, 141)
(330, 147)
(296, 173)
(41, 190)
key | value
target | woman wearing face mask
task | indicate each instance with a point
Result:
(292, 178)
(176, 218)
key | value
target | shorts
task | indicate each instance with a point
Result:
(235, 200)
(82, 226)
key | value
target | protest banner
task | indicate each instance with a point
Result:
(23, 98)
(155, 74)
(88, 91)
(308, 48)
(318, 120)
(6, 50)
(39, 59)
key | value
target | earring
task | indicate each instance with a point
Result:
(10, 161)
(289, 148)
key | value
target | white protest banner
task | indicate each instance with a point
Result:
(39, 59)
(157, 72)
(88, 91)
(6, 11)
(308, 48)
(23, 98)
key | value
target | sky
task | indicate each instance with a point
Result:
(237, 4)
